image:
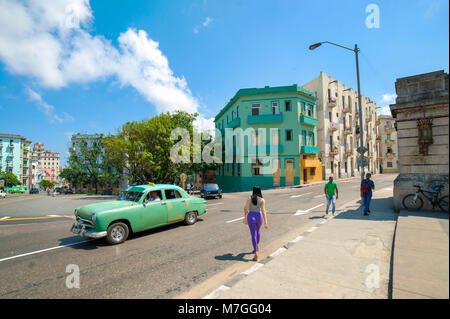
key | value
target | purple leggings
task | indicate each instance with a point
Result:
(255, 220)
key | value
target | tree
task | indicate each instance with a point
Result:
(10, 179)
(47, 184)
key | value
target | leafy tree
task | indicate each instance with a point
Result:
(10, 179)
(46, 183)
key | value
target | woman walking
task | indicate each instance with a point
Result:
(255, 212)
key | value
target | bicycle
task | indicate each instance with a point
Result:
(415, 201)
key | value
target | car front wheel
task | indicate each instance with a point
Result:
(190, 218)
(117, 233)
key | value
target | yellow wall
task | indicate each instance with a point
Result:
(311, 163)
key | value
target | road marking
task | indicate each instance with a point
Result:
(234, 220)
(278, 251)
(253, 268)
(323, 222)
(18, 200)
(301, 212)
(312, 229)
(317, 196)
(355, 186)
(214, 204)
(54, 215)
(43, 250)
(6, 217)
(295, 196)
(29, 218)
(216, 292)
(296, 239)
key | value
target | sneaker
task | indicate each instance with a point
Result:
(326, 213)
(366, 213)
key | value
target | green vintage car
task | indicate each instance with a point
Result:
(138, 208)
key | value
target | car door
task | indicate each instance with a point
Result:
(153, 213)
(176, 205)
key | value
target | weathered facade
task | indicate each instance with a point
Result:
(387, 146)
(421, 113)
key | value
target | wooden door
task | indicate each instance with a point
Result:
(289, 172)
(276, 172)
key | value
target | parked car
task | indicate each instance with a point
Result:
(65, 190)
(138, 208)
(2, 194)
(210, 190)
(34, 191)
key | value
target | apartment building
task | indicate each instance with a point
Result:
(15, 157)
(338, 131)
(387, 146)
(48, 162)
(273, 138)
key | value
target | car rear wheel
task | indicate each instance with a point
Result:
(190, 218)
(117, 233)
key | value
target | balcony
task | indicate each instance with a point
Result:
(390, 155)
(357, 115)
(348, 152)
(368, 119)
(333, 151)
(234, 123)
(309, 149)
(346, 109)
(378, 137)
(332, 103)
(347, 131)
(389, 143)
(378, 122)
(389, 129)
(266, 118)
(306, 120)
(305, 163)
(333, 127)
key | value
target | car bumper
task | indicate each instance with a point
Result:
(81, 230)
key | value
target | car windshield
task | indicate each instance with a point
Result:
(211, 186)
(130, 196)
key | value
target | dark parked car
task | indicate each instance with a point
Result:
(66, 190)
(34, 191)
(211, 190)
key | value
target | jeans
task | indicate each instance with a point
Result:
(331, 199)
(367, 198)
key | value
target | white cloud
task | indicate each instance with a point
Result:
(204, 24)
(47, 109)
(205, 125)
(48, 41)
(386, 99)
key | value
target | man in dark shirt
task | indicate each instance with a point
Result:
(367, 185)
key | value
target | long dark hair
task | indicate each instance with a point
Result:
(255, 194)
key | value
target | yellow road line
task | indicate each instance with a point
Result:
(18, 200)
(26, 218)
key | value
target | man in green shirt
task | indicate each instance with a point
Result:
(332, 193)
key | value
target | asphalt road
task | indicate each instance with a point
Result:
(159, 263)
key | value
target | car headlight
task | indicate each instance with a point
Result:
(93, 217)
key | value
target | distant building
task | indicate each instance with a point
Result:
(421, 113)
(387, 144)
(338, 131)
(15, 157)
(48, 162)
(289, 143)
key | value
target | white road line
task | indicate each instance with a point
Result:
(214, 204)
(312, 229)
(355, 186)
(317, 196)
(6, 217)
(323, 221)
(301, 212)
(235, 220)
(216, 292)
(278, 251)
(54, 215)
(295, 196)
(43, 250)
(296, 239)
(253, 268)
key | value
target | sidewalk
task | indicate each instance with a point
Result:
(348, 256)
(421, 256)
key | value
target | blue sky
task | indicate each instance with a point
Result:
(89, 67)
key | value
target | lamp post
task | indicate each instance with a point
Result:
(361, 136)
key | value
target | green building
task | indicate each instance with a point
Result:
(288, 143)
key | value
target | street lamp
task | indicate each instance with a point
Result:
(361, 135)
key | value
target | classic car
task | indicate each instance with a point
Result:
(34, 190)
(211, 190)
(138, 208)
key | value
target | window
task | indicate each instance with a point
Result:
(256, 139)
(310, 139)
(275, 137)
(172, 194)
(388, 137)
(310, 110)
(312, 171)
(256, 109)
(389, 150)
(275, 108)
(288, 135)
(303, 108)
(389, 164)
(330, 116)
(287, 106)
(256, 168)
(304, 137)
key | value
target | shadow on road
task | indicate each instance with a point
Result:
(381, 209)
(238, 257)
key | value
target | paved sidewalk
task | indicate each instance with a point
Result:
(347, 256)
(421, 256)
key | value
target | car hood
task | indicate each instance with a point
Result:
(212, 190)
(88, 210)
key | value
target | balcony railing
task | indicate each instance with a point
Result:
(309, 149)
(331, 102)
(346, 109)
(389, 142)
(348, 152)
(390, 155)
(347, 131)
(333, 127)
(368, 119)
(389, 129)
(378, 137)
(234, 123)
(333, 151)
(307, 120)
